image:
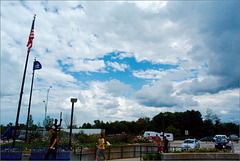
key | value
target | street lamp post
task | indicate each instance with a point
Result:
(45, 119)
(73, 100)
(163, 124)
(46, 109)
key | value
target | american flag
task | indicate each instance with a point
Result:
(31, 36)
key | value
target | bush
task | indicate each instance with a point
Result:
(34, 135)
(206, 150)
(120, 139)
(84, 139)
(177, 151)
(142, 140)
(152, 156)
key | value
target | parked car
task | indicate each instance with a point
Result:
(21, 137)
(153, 138)
(234, 137)
(219, 136)
(207, 138)
(219, 143)
(190, 144)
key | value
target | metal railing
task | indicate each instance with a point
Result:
(117, 152)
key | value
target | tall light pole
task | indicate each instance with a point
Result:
(44, 120)
(46, 108)
(73, 100)
(165, 149)
(163, 124)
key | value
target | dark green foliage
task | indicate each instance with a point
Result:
(48, 122)
(204, 150)
(120, 139)
(34, 135)
(152, 156)
(175, 123)
(83, 139)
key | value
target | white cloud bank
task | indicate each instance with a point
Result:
(180, 55)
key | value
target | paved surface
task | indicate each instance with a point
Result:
(178, 143)
(236, 147)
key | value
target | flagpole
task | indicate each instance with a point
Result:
(20, 100)
(21, 92)
(30, 99)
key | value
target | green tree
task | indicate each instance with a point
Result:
(30, 122)
(9, 124)
(48, 122)
(214, 119)
(86, 126)
(211, 116)
(208, 128)
(174, 130)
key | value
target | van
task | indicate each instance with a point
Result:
(234, 137)
(169, 136)
(150, 133)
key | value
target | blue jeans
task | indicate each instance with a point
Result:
(165, 149)
(53, 152)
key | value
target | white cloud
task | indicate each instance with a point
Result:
(73, 38)
(151, 6)
(87, 65)
(117, 66)
(224, 103)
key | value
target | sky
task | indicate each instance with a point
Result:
(122, 60)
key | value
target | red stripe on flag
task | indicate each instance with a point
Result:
(30, 40)
(31, 36)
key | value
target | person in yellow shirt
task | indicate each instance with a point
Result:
(101, 147)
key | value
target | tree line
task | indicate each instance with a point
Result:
(175, 123)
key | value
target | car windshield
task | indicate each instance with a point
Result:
(220, 139)
(188, 141)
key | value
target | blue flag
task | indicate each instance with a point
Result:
(37, 65)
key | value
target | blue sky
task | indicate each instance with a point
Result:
(121, 60)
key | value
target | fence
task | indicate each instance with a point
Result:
(117, 152)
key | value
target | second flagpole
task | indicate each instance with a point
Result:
(30, 99)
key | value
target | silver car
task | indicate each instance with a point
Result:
(190, 144)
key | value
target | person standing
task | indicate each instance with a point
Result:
(224, 144)
(229, 144)
(166, 145)
(53, 144)
(160, 149)
(101, 147)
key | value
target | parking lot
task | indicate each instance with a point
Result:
(177, 143)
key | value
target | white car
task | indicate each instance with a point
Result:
(190, 144)
(220, 136)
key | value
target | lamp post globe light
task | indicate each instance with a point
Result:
(46, 109)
